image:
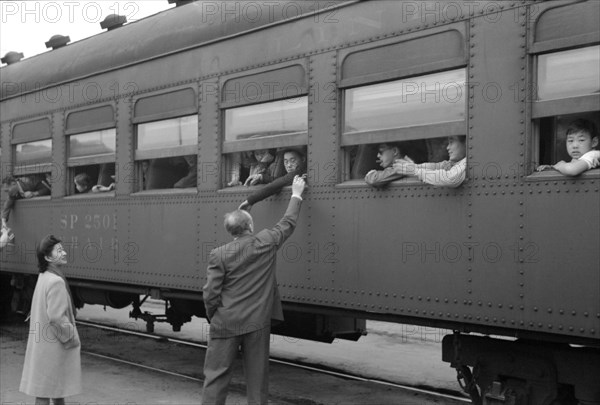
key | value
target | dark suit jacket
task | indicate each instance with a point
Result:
(275, 186)
(241, 295)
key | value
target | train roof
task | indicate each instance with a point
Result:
(174, 30)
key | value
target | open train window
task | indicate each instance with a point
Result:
(553, 136)
(31, 145)
(568, 88)
(33, 166)
(32, 162)
(257, 138)
(565, 56)
(91, 161)
(413, 116)
(166, 153)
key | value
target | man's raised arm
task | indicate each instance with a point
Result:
(286, 225)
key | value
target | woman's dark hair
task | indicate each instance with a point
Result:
(44, 249)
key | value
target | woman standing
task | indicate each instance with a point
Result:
(52, 366)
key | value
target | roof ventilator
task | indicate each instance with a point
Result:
(57, 41)
(113, 21)
(180, 2)
(12, 57)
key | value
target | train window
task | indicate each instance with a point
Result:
(166, 153)
(34, 159)
(566, 99)
(283, 117)
(569, 73)
(92, 161)
(33, 154)
(553, 137)
(413, 116)
(257, 136)
(261, 166)
(420, 100)
(93, 178)
(93, 144)
(32, 149)
(366, 157)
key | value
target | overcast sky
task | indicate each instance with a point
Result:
(25, 26)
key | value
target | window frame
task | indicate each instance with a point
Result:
(399, 134)
(571, 105)
(299, 138)
(19, 170)
(92, 159)
(75, 162)
(401, 73)
(155, 115)
(160, 153)
(565, 105)
(274, 141)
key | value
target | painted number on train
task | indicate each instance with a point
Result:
(89, 221)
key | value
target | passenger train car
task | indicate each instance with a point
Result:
(164, 113)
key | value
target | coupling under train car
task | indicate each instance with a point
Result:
(147, 133)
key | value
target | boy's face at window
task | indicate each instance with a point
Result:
(580, 143)
(10, 188)
(456, 149)
(386, 155)
(291, 161)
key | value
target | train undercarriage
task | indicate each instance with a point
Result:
(496, 371)
(179, 308)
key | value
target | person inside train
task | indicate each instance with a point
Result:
(164, 173)
(99, 188)
(581, 143)
(83, 183)
(23, 187)
(449, 173)
(253, 167)
(144, 165)
(106, 178)
(387, 154)
(190, 179)
(294, 162)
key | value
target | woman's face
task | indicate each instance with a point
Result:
(57, 255)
